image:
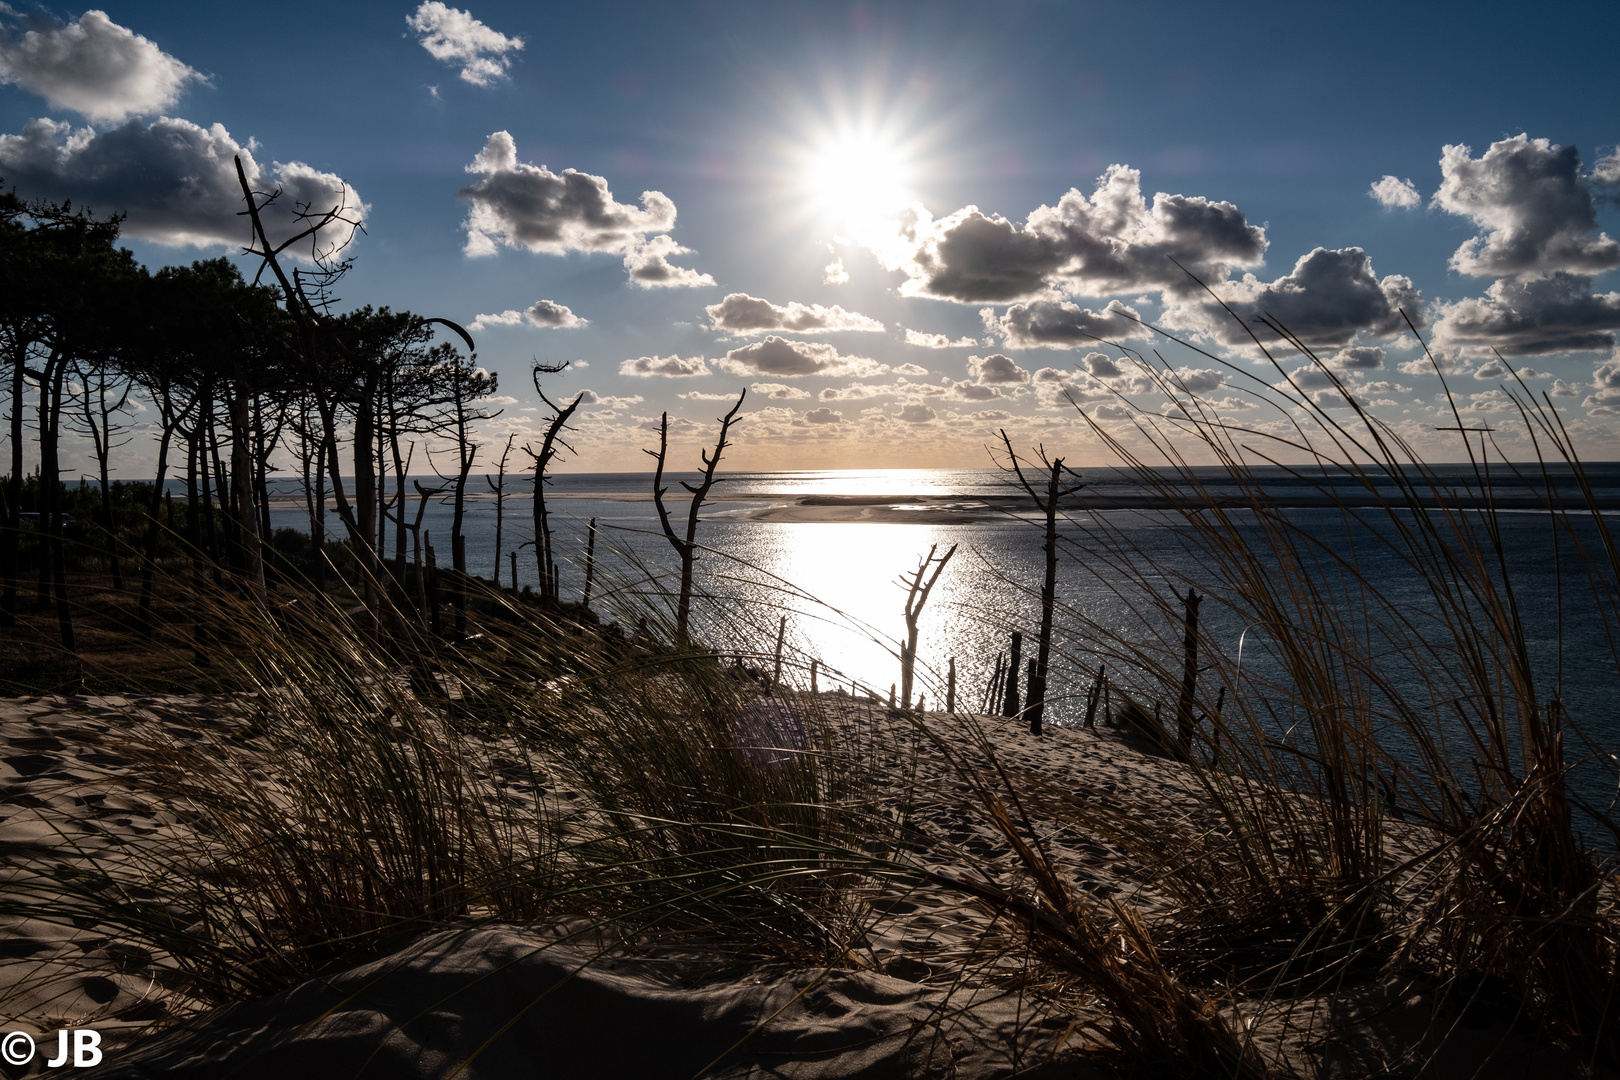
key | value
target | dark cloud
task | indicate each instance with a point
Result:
(1360, 357)
(916, 413)
(1101, 366)
(455, 37)
(175, 180)
(93, 66)
(1054, 324)
(740, 314)
(996, 369)
(1537, 212)
(796, 359)
(673, 367)
(1533, 316)
(823, 415)
(1330, 297)
(531, 207)
(1112, 242)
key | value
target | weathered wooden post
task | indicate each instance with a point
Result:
(1009, 704)
(513, 556)
(1189, 673)
(992, 691)
(814, 665)
(950, 686)
(590, 563)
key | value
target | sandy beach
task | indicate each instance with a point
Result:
(934, 983)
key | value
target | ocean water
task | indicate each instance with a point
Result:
(838, 583)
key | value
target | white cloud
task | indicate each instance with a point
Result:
(1606, 173)
(1560, 388)
(591, 397)
(672, 366)
(911, 369)
(543, 313)
(916, 413)
(823, 415)
(740, 314)
(176, 181)
(530, 207)
(834, 274)
(1115, 241)
(95, 67)
(1536, 212)
(796, 359)
(649, 266)
(1490, 372)
(937, 341)
(1101, 366)
(1396, 193)
(455, 37)
(779, 391)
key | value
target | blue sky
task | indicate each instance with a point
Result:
(825, 155)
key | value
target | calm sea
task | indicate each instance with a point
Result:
(838, 582)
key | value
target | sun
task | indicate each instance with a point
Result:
(857, 181)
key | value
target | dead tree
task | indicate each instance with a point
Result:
(545, 562)
(1035, 698)
(498, 486)
(916, 596)
(687, 548)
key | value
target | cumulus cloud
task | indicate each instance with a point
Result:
(779, 391)
(591, 397)
(996, 369)
(671, 366)
(823, 415)
(1396, 193)
(1560, 388)
(1331, 296)
(1491, 371)
(175, 181)
(530, 207)
(1100, 366)
(834, 274)
(1537, 214)
(1198, 380)
(543, 313)
(1115, 241)
(95, 67)
(740, 314)
(916, 413)
(1531, 316)
(454, 37)
(795, 359)
(1359, 357)
(911, 369)
(937, 341)
(1606, 173)
(1059, 324)
(649, 266)
(1539, 238)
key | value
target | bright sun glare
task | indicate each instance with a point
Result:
(858, 180)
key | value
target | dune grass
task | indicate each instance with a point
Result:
(1388, 795)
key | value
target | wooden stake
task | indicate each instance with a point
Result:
(950, 686)
(776, 674)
